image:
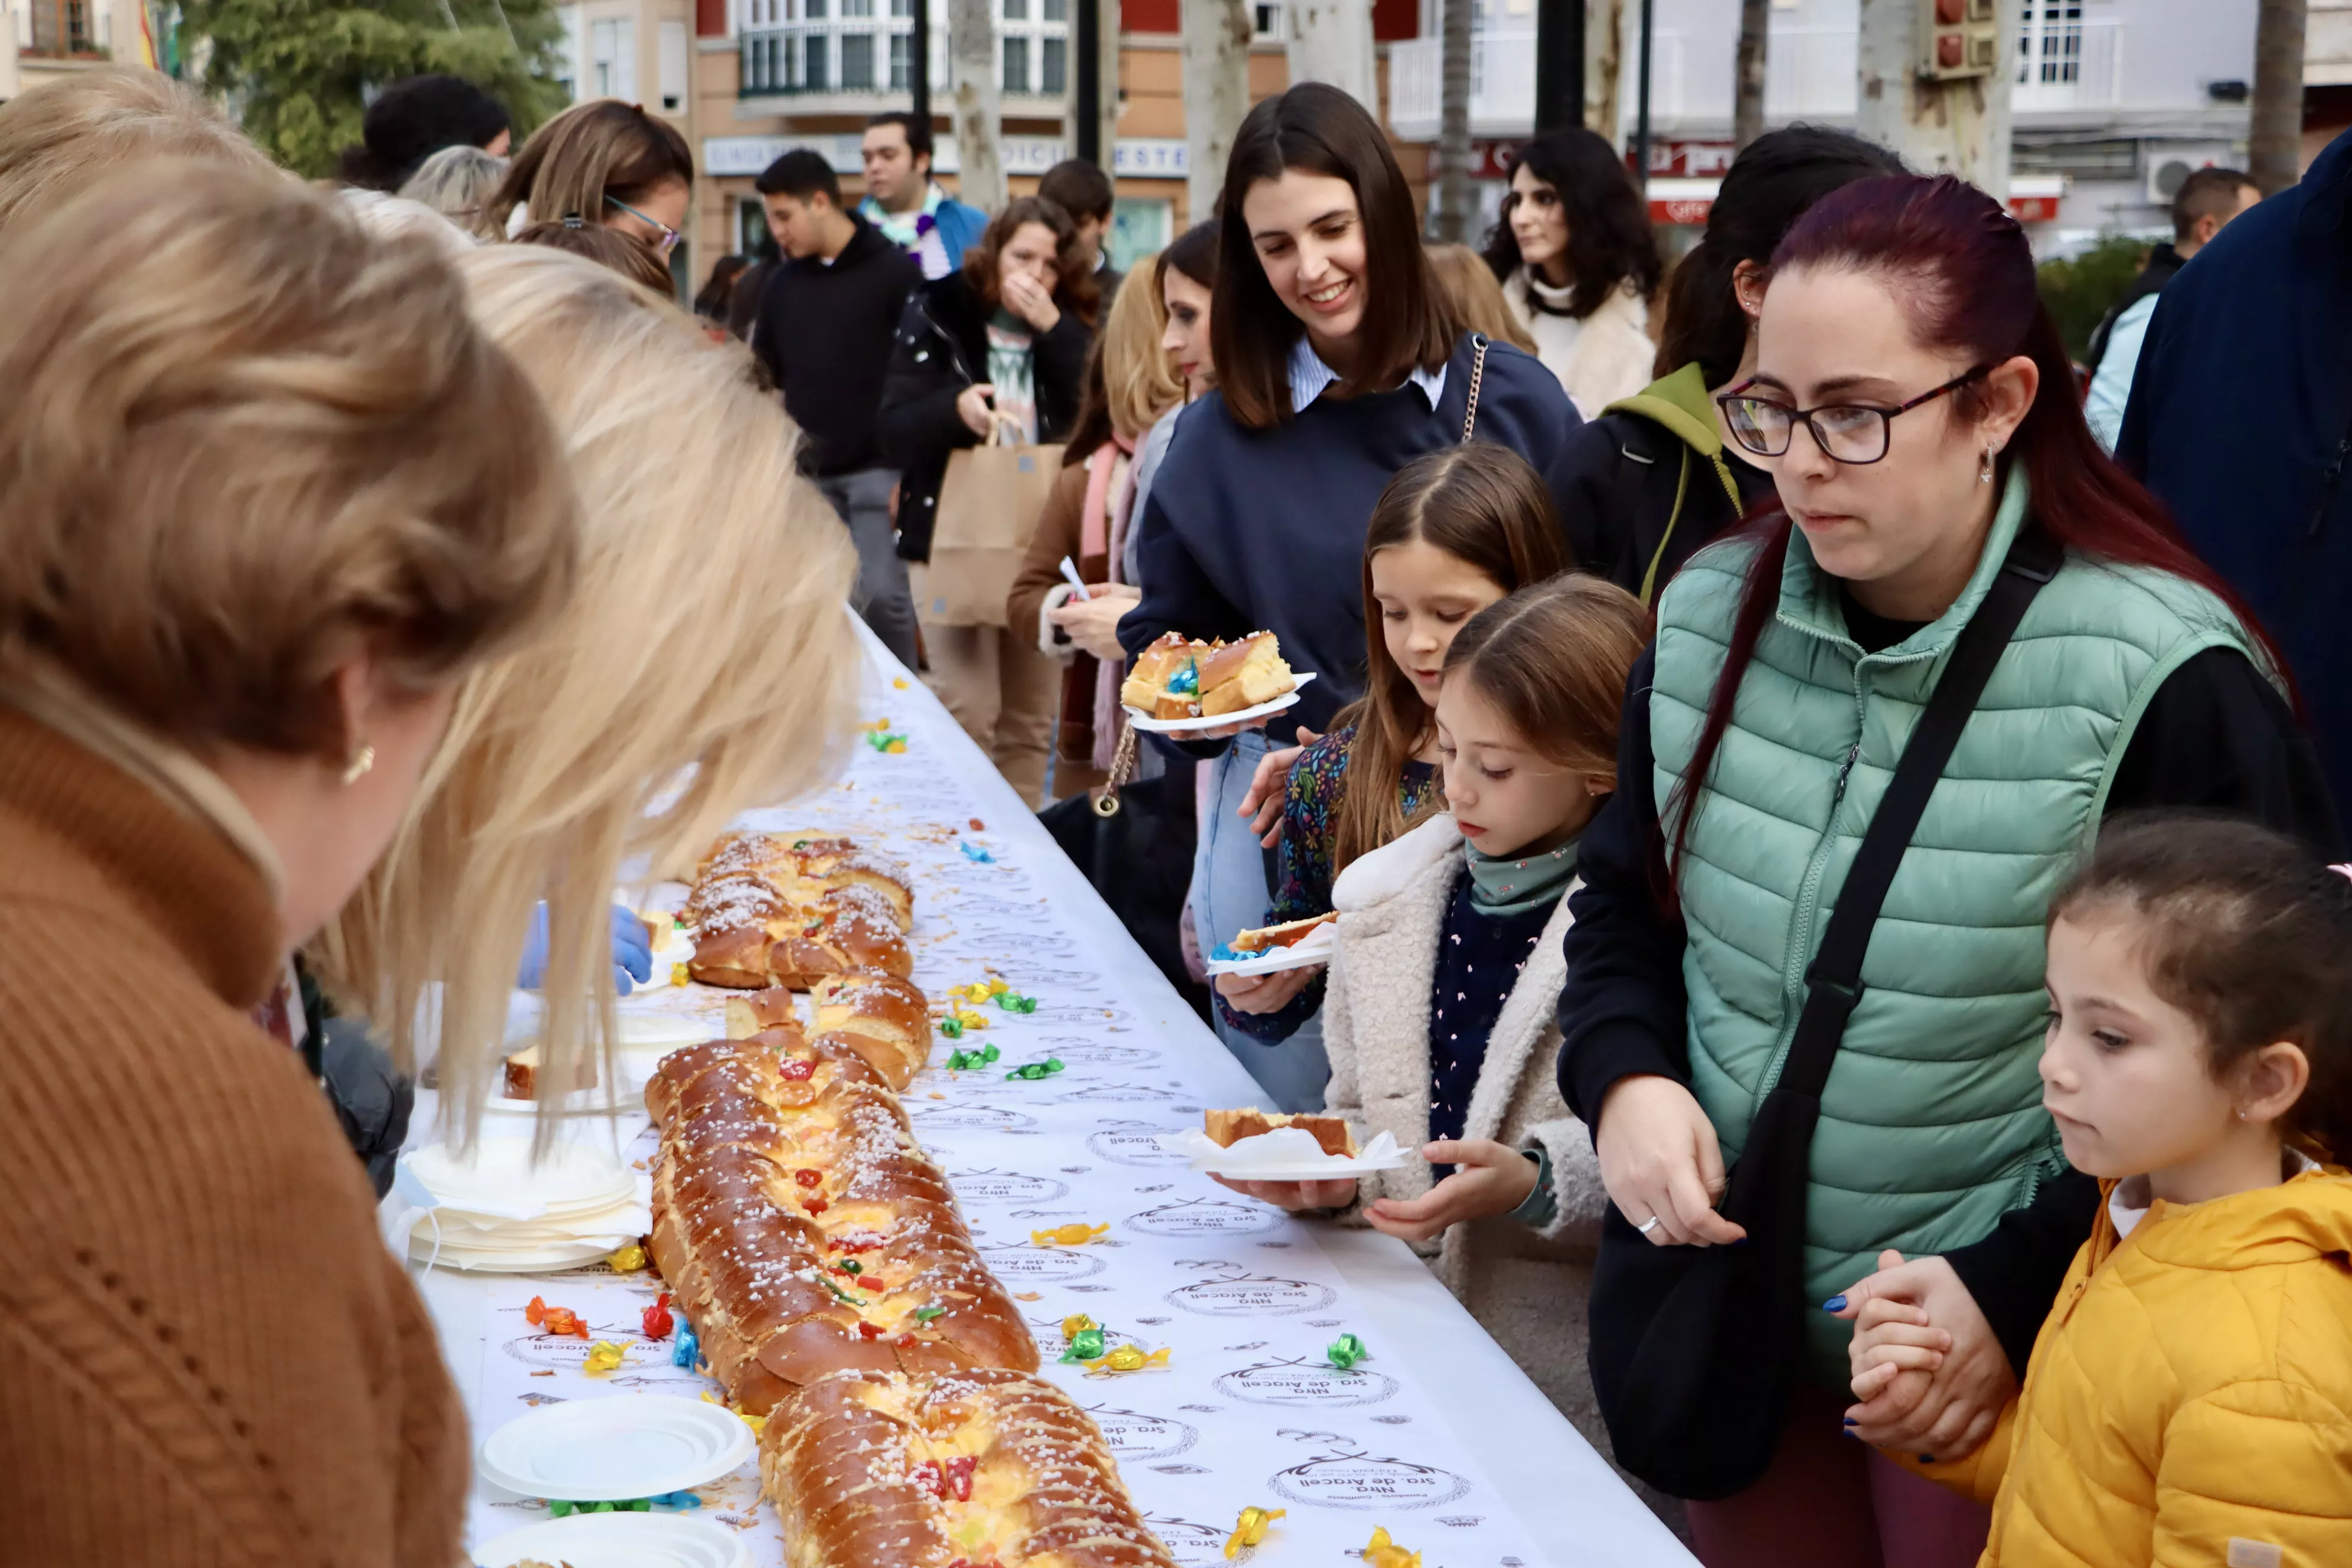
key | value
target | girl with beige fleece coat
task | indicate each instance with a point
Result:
(1439, 1021)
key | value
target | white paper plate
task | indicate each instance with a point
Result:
(645, 1038)
(621, 1541)
(543, 1260)
(615, 1448)
(665, 961)
(1241, 716)
(1315, 947)
(1284, 1154)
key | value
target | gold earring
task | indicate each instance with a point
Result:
(359, 764)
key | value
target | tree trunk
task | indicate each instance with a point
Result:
(1604, 64)
(1216, 96)
(1331, 41)
(972, 63)
(1939, 128)
(1455, 197)
(2275, 138)
(1748, 72)
(1107, 38)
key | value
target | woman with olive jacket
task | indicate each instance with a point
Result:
(1001, 339)
(1911, 399)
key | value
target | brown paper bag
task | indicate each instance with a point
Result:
(988, 505)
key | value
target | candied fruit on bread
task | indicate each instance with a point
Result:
(1244, 675)
(1290, 934)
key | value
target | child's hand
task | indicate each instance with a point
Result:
(1494, 1178)
(1948, 1412)
(1266, 993)
(1892, 1337)
(1337, 1195)
(1263, 804)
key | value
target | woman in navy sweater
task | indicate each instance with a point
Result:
(1337, 364)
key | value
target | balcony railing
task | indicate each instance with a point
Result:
(2069, 64)
(1502, 84)
(854, 56)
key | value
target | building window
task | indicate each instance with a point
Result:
(60, 28)
(818, 76)
(1053, 74)
(1053, 10)
(901, 52)
(858, 62)
(1016, 65)
(673, 66)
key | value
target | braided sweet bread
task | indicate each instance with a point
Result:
(969, 1469)
(771, 910)
(802, 1229)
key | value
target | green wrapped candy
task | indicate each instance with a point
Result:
(1346, 1352)
(1086, 1345)
(1033, 1070)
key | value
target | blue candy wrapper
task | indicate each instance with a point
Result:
(686, 1350)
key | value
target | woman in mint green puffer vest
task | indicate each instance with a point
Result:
(1913, 401)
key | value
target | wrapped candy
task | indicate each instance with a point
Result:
(1076, 1324)
(557, 1509)
(1035, 1070)
(686, 1350)
(1128, 1358)
(603, 1357)
(1385, 1554)
(1086, 1345)
(1250, 1529)
(626, 1260)
(1068, 1235)
(658, 1322)
(681, 1500)
(976, 855)
(964, 1061)
(1346, 1352)
(560, 1321)
(1010, 1002)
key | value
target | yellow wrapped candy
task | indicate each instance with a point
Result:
(1077, 1323)
(603, 1356)
(757, 1423)
(1067, 1235)
(678, 974)
(1251, 1529)
(1385, 1554)
(626, 1260)
(968, 1018)
(1128, 1358)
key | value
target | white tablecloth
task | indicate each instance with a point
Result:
(1437, 1435)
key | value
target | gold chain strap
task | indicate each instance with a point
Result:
(1122, 769)
(1477, 373)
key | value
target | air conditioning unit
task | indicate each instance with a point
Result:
(1959, 38)
(2167, 163)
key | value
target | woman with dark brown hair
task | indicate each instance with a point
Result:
(604, 162)
(1339, 362)
(1001, 340)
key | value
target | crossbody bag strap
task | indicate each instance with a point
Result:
(1477, 373)
(1834, 983)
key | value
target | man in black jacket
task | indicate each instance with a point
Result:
(824, 331)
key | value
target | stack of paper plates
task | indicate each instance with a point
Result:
(620, 1540)
(501, 1210)
(645, 1038)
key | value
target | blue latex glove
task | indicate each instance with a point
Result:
(633, 953)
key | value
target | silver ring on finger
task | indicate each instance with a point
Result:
(1647, 1226)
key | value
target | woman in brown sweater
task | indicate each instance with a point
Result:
(268, 494)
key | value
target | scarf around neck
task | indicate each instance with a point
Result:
(1516, 884)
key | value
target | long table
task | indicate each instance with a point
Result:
(1436, 1435)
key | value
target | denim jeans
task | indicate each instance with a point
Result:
(863, 500)
(1229, 895)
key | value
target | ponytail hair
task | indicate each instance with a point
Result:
(2245, 931)
(1959, 265)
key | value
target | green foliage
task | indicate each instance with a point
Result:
(2080, 289)
(298, 72)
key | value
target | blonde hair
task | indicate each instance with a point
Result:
(242, 439)
(1477, 300)
(1139, 383)
(458, 182)
(707, 664)
(58, 138)
(397, 215)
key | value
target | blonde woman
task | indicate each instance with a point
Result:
(458, 182)
(271, 495)
(707, 664)
(64, 134)
(1469, 285)
(1130, 381)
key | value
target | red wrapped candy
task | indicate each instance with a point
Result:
(658, 1322)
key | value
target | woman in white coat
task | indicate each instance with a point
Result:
(1579, 265)
(1439, 1021)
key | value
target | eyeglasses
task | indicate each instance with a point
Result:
(1845, 432)
(669, 236)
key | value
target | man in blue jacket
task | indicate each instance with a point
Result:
(2240, 421)
(906, 204)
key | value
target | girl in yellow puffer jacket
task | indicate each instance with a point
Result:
(2189, 1399)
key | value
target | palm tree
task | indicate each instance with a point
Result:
(2275, 140)
(971, 64)
(1216, 95)
(1454, 201)
(1748, 78)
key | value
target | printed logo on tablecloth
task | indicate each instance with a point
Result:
(1039, 981)
(1241, 1295)
(1004, 1187)
(568, 1353)
(1202, 1217)
(939, 1115)
(1099, 1053)
(1193, 1544)
(1302, 1384)
(1020, 1264)
(983, 908)
(1116, 1094)
(1134, 1143)
(1359, 1482)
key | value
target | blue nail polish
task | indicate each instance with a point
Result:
(1852, 1421)
(1834, 1304)
(1926, 1458)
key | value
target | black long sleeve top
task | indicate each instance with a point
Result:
(2217, 736)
